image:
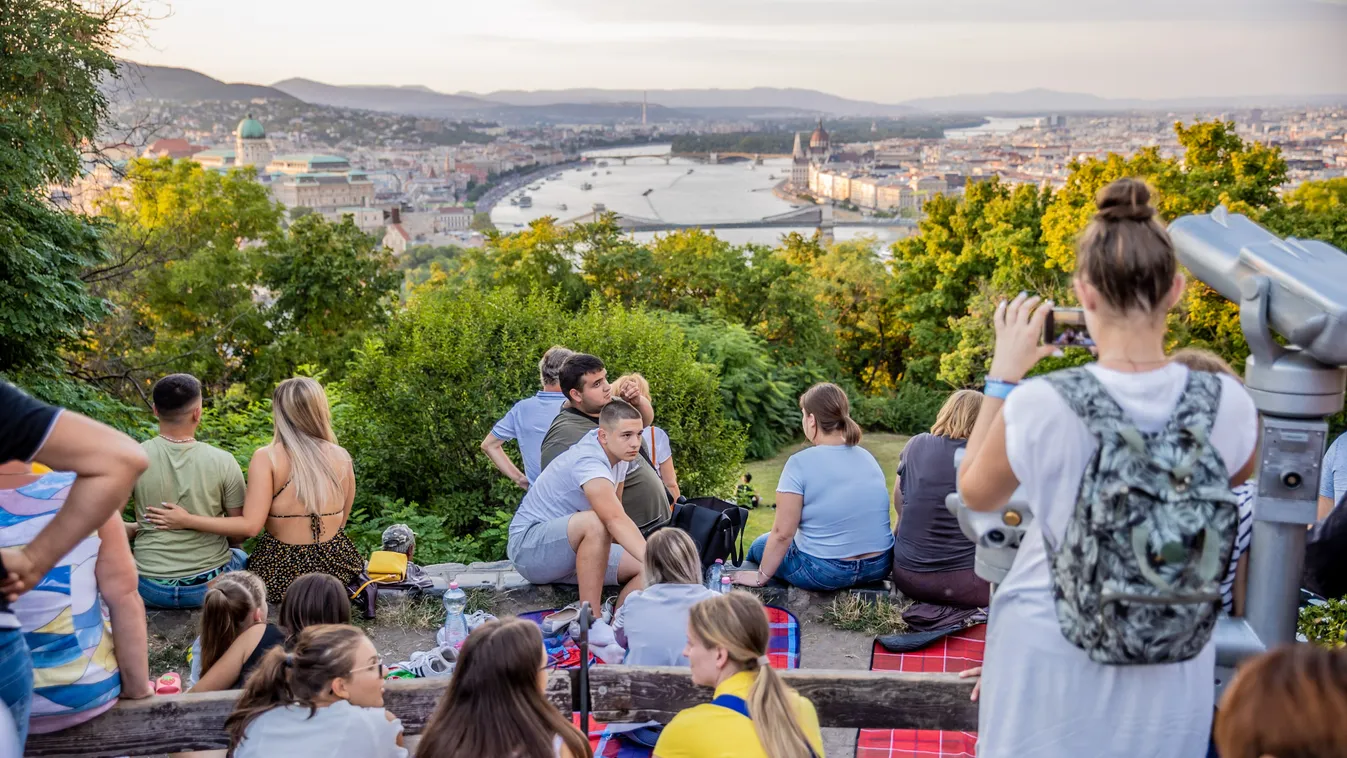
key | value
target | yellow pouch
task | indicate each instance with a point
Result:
(387, 566)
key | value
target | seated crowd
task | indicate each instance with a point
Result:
(600, 486)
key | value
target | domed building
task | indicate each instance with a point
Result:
(250, 144)
(820, 146)
(806, 162)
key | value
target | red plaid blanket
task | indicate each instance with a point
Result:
(952, 654)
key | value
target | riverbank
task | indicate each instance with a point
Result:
(488, 201)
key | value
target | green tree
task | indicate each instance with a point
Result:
(330, 286)
(187, 248)
(55, 55)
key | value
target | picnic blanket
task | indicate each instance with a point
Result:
(783, 651)
(951, 653)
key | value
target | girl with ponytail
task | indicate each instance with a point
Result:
(325, 697)
(832, 529)
(754, 714)
(234, 631)
(1041, 695)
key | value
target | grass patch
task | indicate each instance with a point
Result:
(165, 656)
(886, 448)
(421, 612)
(873, 617)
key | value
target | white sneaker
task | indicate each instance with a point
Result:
(607, 611)
(477, 618)
(430, 664)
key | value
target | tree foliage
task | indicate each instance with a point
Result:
(55, 54)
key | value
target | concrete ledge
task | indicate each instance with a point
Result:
(515, 595)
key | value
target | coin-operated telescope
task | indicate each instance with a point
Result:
(997, 534)
(1296, 289)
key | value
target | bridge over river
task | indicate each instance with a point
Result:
(818, 216)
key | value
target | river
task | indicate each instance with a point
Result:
(681, 191)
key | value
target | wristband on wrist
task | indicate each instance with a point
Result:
(997, 388)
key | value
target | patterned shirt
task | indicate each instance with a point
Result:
(1245, 492)
(63, 618)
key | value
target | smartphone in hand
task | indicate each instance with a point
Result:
(1065, 327)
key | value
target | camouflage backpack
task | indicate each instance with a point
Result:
(1137, 576)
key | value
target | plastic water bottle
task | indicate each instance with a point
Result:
(455, 624)
(714, 574)
(726, 585)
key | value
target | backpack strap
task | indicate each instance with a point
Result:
(1090, 401)
(734, 703)
(1194, 416)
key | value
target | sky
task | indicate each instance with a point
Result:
(879, 50)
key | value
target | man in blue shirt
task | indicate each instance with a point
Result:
(528, 422)
(1333, 476)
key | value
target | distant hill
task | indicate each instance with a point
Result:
(141, 80)
(758, 98)
(415, 99)
(1042, 101)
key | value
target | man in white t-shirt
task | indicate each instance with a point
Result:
(571, 527)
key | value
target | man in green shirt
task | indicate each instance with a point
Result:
(185, 476)
(584, 381)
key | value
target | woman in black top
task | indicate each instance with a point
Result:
(932, 559)
(234, 631)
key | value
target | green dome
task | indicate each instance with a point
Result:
(250, 128)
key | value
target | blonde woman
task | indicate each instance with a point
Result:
(932, 559)
(651, 623)
(300, 490)
(754, 714)
(655, 439)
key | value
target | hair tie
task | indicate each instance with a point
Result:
(764, 661)
(289, 660)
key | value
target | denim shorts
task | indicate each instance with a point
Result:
(802, 570)
(16, 678)
(542, 554)
(160, 595)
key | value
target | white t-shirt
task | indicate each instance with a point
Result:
(662, 451)
(559, 490)
(1042, 697)
(338, 729)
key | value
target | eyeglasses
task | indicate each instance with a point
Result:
(383, 670)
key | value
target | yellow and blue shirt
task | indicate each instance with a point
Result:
(713, 731)
(63, 618)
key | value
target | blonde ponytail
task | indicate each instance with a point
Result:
(303, 422)
(737, 622)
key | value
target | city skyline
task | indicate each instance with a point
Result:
(878, 50)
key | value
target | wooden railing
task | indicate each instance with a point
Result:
(849, 699)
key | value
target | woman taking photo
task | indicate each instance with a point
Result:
(932, 557)
(1042, 695)
(754, 714)
(496, 705)
(325, 697)
(831, 530)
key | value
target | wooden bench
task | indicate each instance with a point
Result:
(848, 699)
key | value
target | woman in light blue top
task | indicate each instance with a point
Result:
(832, 529)
(653, 623)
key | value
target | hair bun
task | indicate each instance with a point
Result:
(1124, 200)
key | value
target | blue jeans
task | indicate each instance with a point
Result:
(16, 678)
(824, 574)
(157, 595)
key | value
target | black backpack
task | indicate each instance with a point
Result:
(1325, 566)
(716, 528)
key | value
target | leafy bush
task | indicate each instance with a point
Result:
(911, 409)
(87, 399)
(1325, 625)
(454, 361)
(753, 390)
(433, 545)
